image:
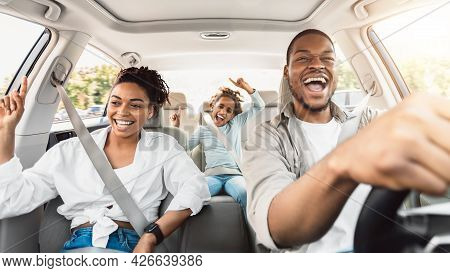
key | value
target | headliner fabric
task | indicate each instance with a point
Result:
(152, 10)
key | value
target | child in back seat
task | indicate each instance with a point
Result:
(222, 172)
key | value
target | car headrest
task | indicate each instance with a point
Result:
(270, 98)
(285, 95)
(176, 99)
(155, 121)
(205, 107)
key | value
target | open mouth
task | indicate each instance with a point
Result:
(123, 123)
(316, 84)
(220, 118)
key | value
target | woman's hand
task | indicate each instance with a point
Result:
(12, 107)
(175, 118)
(146, 244)
(242, 84)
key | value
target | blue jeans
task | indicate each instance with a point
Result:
(122, 239)
(232, 184)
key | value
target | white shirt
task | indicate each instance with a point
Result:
(322, 139)
(160, 166)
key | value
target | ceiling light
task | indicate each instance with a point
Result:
(215, 35)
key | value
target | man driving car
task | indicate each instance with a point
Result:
(305, 191)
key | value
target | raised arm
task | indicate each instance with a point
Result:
(11, 111)
(21, 191)
(175, 118)
(196, 138)
(257, 102)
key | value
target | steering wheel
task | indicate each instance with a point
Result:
(380, 229)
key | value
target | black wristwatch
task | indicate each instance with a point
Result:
(154, 228)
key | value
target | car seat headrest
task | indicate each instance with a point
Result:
(285, 95)
(205, 107)
(155, 121)
(176, 99)
(270, 98)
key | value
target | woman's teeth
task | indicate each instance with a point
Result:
(124, 122)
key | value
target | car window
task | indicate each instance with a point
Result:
(348, 91)
(21, 36)
(88, 88)
(418, 41)
(200, 85)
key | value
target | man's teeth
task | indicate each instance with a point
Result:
(124, 122)
(320, 79)
(220, 117)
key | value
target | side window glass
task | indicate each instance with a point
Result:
(348, 93)
(88, 88)
(21, 36)
(418, 41)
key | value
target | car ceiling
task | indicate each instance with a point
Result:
(167, 35)
(152, 10)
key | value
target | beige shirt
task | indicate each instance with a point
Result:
(275, 156)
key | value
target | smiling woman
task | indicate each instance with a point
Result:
(136, 96)
(97, 220)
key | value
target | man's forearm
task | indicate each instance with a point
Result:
(6, 145)
(305, 210)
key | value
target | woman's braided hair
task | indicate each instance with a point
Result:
(155, 87)
(227, 92)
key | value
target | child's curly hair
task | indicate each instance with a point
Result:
(155, 87)
(227, 92)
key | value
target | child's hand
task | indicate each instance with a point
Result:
(242, 84)
(175, 118)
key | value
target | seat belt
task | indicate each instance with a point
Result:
(102, 165)
(222, 138)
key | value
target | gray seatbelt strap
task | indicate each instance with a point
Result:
(103, 167)
(222, 138)
(351, 125)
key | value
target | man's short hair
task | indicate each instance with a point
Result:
(303, 33)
